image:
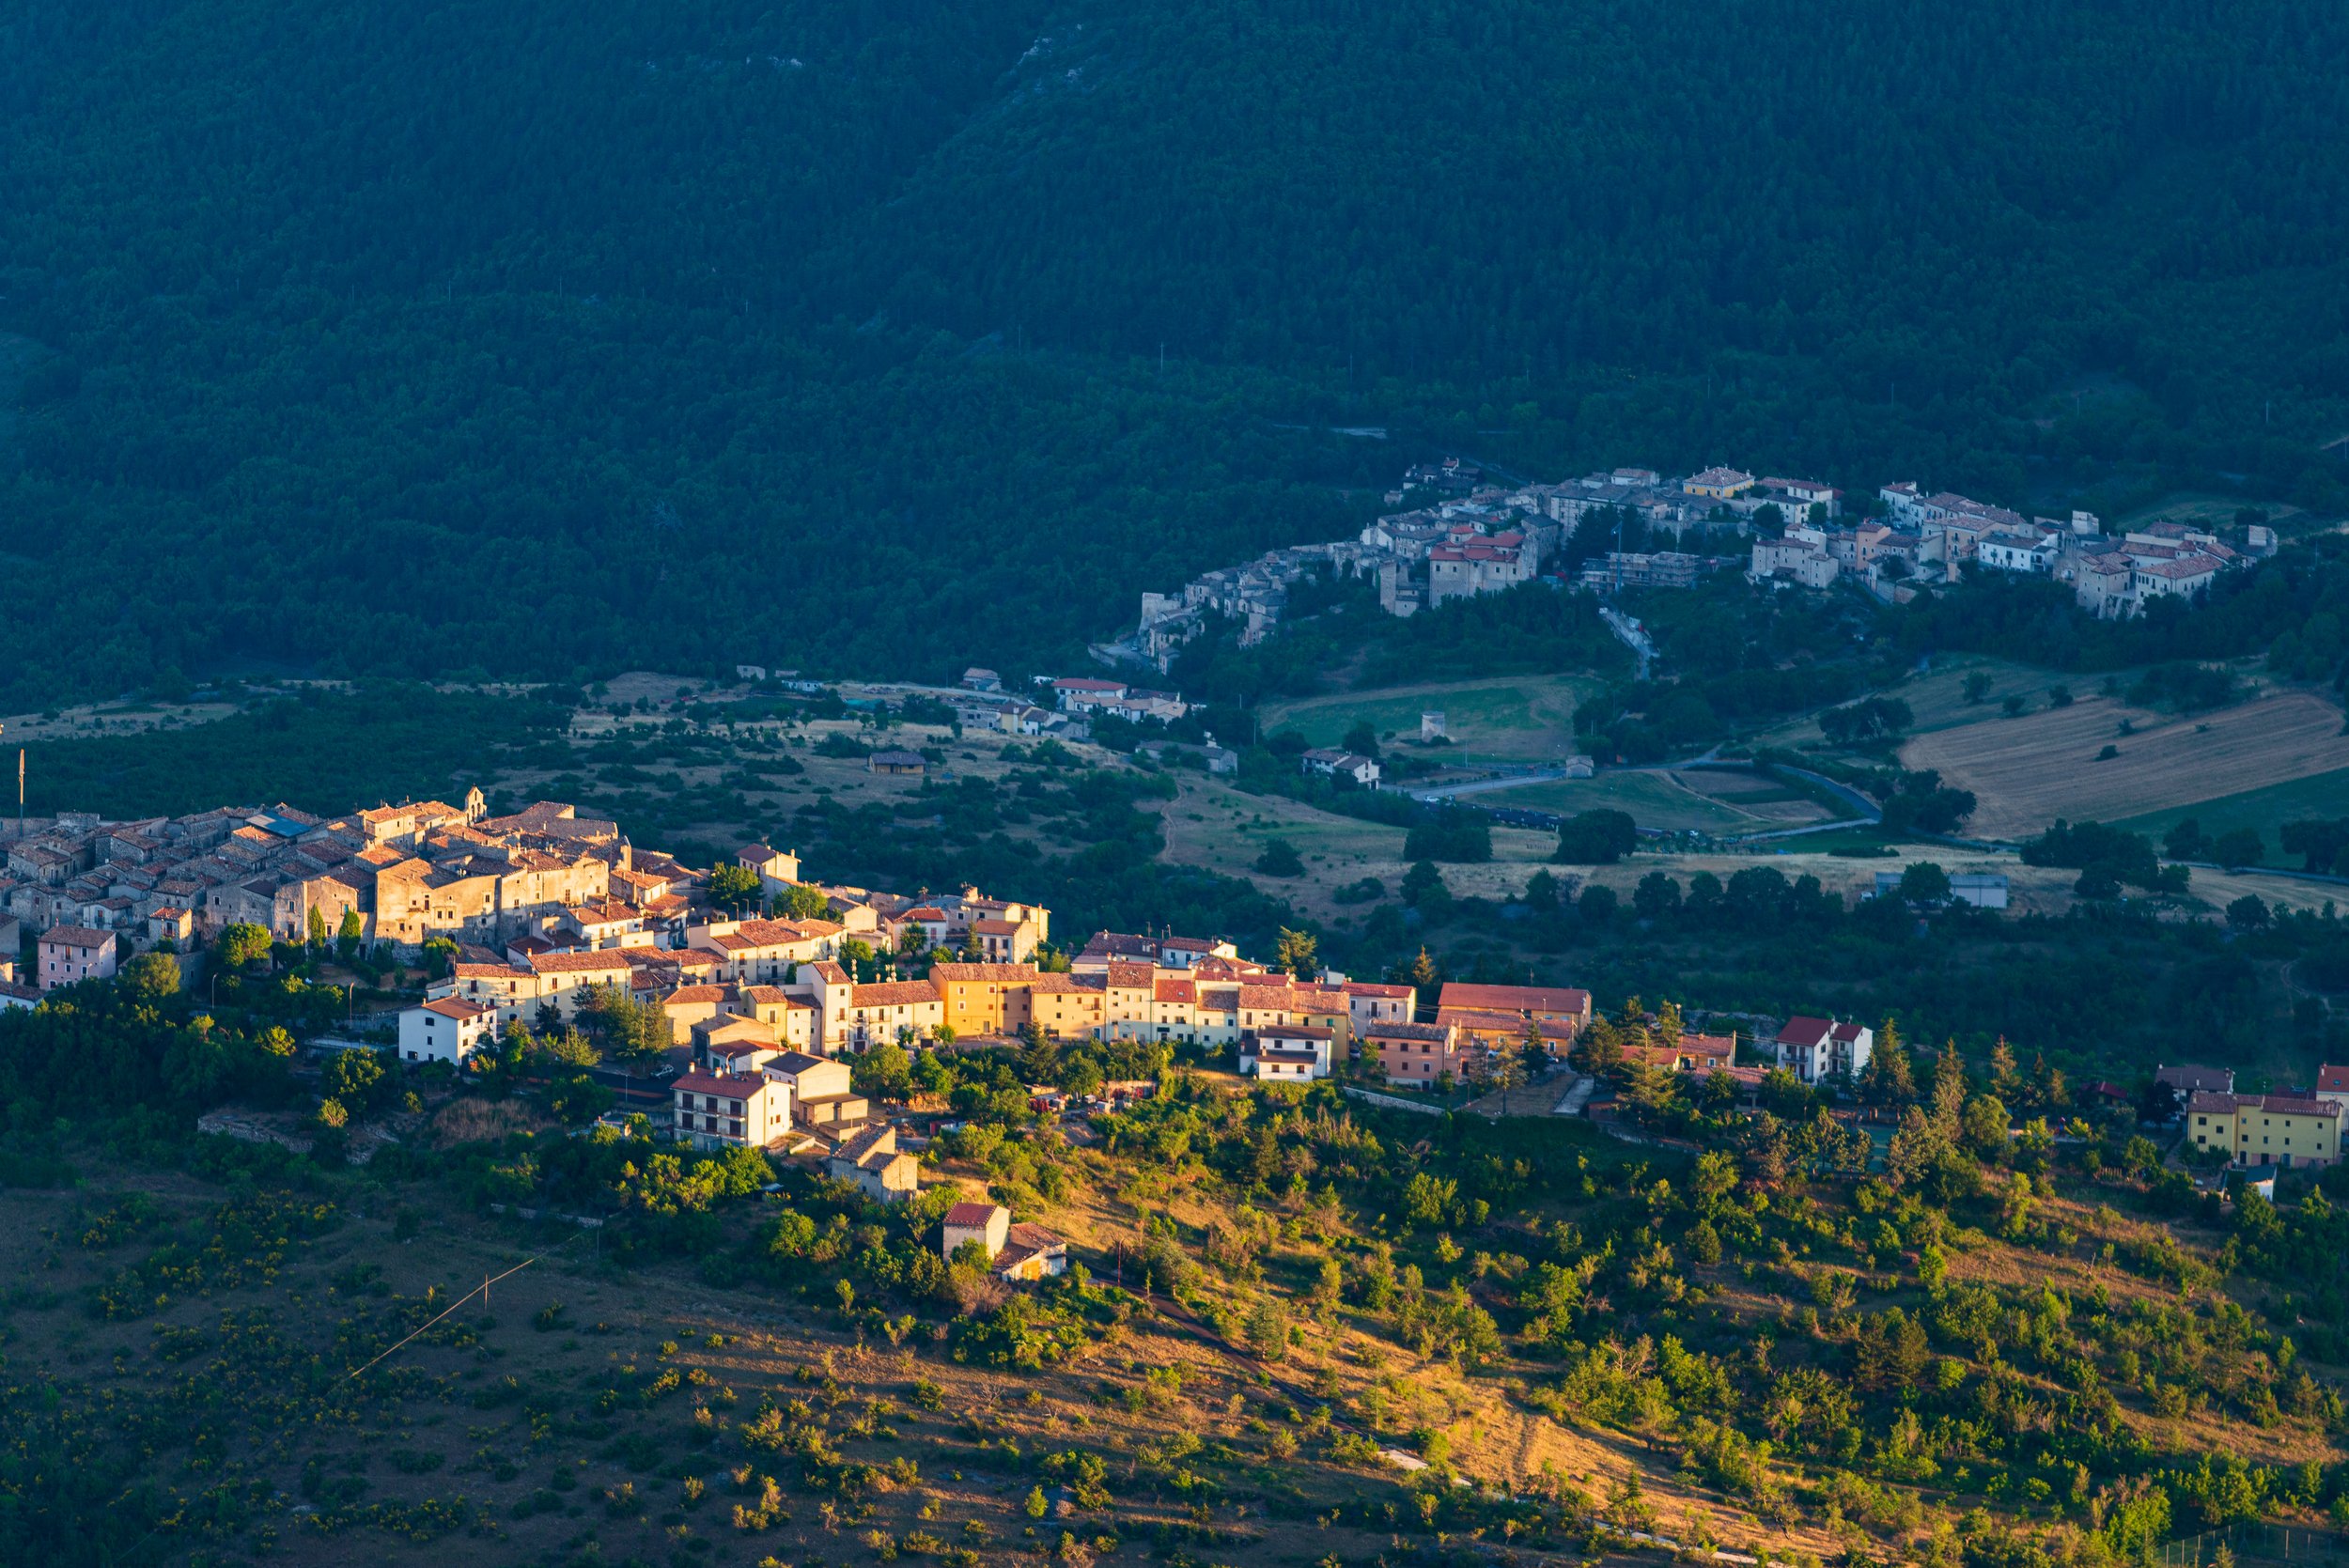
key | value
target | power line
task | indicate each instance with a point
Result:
(482, 1290)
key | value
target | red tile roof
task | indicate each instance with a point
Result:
(1799, 1031)
(893, 993)
(1011, 973)
(609, 961)
(739, 1086)
(1516, 999)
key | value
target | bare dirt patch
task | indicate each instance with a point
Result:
(2026, 772)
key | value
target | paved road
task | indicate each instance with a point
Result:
(1481, 786)
(1628, 632)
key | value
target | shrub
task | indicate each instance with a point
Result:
(1279, 858)
(1456, 835)
(1596, 838)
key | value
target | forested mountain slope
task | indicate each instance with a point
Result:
(548, 338)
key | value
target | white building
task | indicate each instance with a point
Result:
(778, 869)
(716, 1109)
(1817, 1051)
(1013, 1251)
(72, 954)
(1804, 559)
(2030, 549)
(1331, 762)
(1983, 890)
(1796, 496)
(1292, 1053)
(449, 1030)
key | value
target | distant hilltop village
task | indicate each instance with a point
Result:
(545, 900)
(1482, 538)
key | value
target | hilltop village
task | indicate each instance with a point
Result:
(1468, 536)
(763, 986)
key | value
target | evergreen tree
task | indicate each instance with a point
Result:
(1887, 1079)
(353, 932)
(1949, 1090)
(1297, 953)
(2004, 1083)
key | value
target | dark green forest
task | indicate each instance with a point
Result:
(550, 340)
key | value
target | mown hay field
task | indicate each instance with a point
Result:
(2026, 772)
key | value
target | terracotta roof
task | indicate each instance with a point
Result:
(1516, 999)
(1801, 1031)
(893, 993)
(972, 1216)
(1486, 1021)
(76, 936)
(2211, 1102)
(1278, 998)
(1130, 976)
(609, 961)
(1407, 1031)
(685, 996)
(2332, 1081)
(1115, 943)
(1066, 985)
(1023, 1241)
(1364, 989)
(999, 972)
(1175, 990)
(458, 1008)
(773, 933)
(739, 1086)
(2295, 1105)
